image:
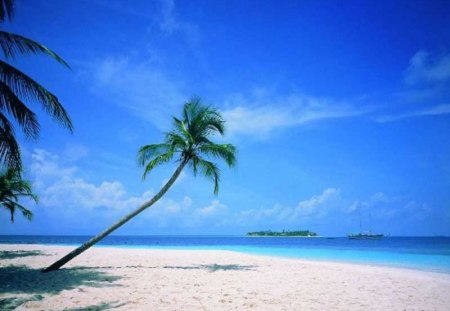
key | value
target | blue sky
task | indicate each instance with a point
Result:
(338, 109)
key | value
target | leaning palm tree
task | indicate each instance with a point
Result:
(12, 188)
(16, 88)
(189, 143)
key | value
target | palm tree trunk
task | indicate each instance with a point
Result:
(58, 264)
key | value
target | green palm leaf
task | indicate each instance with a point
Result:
(9, 148)
(158, 160)
(226, 152)
(210, 170)
(16, 89)
(28, 89)
(149, 151)
(12, 44)
(12, 188)
(11, 104)
(6, 9)
(13, 206)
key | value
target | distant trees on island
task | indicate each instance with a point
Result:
(302, 233)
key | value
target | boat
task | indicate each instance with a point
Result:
(365, 236)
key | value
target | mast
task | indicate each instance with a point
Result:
(360, 221)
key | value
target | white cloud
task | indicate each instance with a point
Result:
(141, 87)
(170, 23)
(58, 186)
(383, 207)
(75, 152)
(261, 115)
(183, 214)
(315, 207)
(211, 210)
(432, 111)
(425, 69)
(45, 166)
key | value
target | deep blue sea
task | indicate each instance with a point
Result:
(424, 253)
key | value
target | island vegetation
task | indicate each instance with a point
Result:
(297, 233)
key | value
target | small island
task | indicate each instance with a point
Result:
(270, 233)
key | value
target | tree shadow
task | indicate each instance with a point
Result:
(17, 254)
(11, 303)
(26, 280)
(216, 267)
(100, 307)
(213, 267)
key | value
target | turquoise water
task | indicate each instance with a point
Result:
(424, 253)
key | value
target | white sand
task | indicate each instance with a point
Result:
(139, 279)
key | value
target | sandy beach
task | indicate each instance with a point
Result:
(142, 279)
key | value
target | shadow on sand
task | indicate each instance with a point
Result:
(213, 267)
(99, 307)
(9, 304)
(25, 280)
(22, 279)
(4, 255)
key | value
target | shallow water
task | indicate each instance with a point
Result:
(424, 253)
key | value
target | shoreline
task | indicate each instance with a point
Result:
(350, 261)
(145, 279)
(68, 248)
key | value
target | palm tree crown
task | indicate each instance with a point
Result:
(16, 88)
(12, 187)
(190, 142)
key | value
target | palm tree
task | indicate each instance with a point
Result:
(16, 87)
(189, 143)
(12, 187)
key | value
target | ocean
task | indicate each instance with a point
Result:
(424, 253)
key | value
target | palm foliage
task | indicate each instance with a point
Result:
(16, 88)
(189, 143)
(6, 9)
(12, 188)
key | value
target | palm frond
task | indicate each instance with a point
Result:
(156, 161)
(6, 9)
(12, 187)
(190, 109)
(182, 130)
(23, 188)
(213, 121)
(12, 206)
(150, 151)
(177, 141)
(226, 152)
(12, 44)
(11, 104)
(210, 170)
(9, 148)
(207, 122)
(26, 88)
(193, 163)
